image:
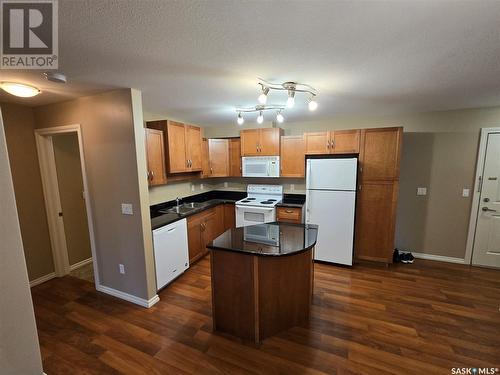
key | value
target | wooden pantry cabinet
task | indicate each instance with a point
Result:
(292, 156)
(183, 145)
(155, 157)
(379, 159)
(260, 142)
(332, 142)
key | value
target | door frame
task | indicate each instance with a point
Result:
(481, 159)
(46, 159)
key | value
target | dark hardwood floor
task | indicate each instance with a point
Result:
(424, 318)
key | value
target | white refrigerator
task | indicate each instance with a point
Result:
(330, 203)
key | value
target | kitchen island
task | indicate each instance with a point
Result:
(262, 279)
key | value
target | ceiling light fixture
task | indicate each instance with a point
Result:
(260, 118)
(290, 102)
(279, 117)
(240, 119)
(263, 96)
(258, 108)
(313, 104)
(19, 89)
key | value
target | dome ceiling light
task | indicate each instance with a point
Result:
(19, 89)
(292, 88)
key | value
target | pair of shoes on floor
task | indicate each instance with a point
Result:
(406, 258)
(402, 257)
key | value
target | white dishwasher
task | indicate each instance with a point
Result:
(170, 245)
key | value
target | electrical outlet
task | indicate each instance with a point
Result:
(192, 187)
(201, 186)
(127, 209)
(465, 192)
(421, 191)
(292, 187)
(121, 267)
(226, 184)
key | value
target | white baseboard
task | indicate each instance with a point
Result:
(42, 279)
(128, 297)
(80, 264)
(439, 258)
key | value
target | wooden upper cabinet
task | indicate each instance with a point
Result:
(260, 142)
(205, 161)
(250, 140)
(176, 135)
(317, 143)
(218, 150)
(155, 157)
(183, 151)
(234, 157)
(292, 156)
(345, 141)
(380, 153)
(270, 141)
(332, 142)
(193, 148)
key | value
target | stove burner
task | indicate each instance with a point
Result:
(250, 199)
(271, 200)
(245, 201)
(266, 202)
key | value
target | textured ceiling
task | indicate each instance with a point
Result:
(196, 60)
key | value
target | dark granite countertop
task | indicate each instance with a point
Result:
(160, 218)
(293, 200)
(271, 239)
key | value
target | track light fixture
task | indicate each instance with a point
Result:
(240, 119)
(263, 96)
(279, 117)
(291, 88)
(313, 104)
(260, 109)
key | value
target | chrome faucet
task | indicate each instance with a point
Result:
(177, 202)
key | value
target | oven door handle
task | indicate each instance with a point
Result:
(255, 208)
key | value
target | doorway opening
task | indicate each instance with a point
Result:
(483, 242)
(65, 188)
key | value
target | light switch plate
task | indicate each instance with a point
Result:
(127, 209)
(465, 192)
(421, 191)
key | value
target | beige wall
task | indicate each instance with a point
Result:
(19, 131)
(70, 181)
(19, 349)
(112, 159)
(439, 152)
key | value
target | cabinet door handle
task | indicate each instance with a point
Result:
(152, 175)
(328, 144)
(148, 175)
(332, 143)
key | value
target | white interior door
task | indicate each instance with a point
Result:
(487, 238)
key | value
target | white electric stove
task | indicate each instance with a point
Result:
(259, 206)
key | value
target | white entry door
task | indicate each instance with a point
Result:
(486, 250)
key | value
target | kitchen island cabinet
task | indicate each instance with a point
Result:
(262, 279)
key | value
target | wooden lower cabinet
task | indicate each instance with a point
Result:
(375, 221)
(203, 228)
(289, 214)
(229, 216)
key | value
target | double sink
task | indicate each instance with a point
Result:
(184, 208)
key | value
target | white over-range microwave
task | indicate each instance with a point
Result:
(260, 166)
